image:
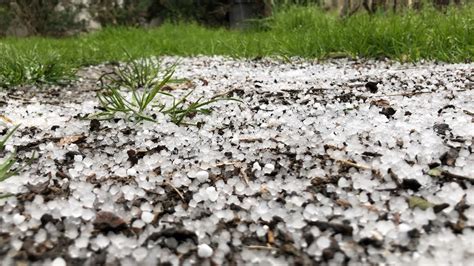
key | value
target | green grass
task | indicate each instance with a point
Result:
(8, 161)
(18, 67)
(296, 31)
(133, 88)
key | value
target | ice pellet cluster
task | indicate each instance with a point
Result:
(344, 161)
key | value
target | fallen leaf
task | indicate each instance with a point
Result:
(435, 172)
(71, 139)
(419, 202)
(380, 103)
(38, 188)
(107, 221)
(6, 119)
(270, 237)
(343, 203)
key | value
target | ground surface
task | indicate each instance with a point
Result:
(314, 167)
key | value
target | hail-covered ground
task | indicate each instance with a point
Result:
(323, 162)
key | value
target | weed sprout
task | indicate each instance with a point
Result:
(133, 88)
(6, 166)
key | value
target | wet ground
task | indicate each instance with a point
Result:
(323, 163)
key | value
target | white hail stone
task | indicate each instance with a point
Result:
(140, 254)
(323, 242)
(212, 194)
(102, 241)
(18, 219)
(202, 176)
(147, 217)
(268, 168)
(58, 262)
(204, 251)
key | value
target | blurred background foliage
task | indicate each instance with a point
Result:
(70, 17)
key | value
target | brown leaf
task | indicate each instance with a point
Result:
(71, 139)
(107, 221)
(343, 203)
(6, 119)
(380, 103)
(38, 188)
(270, 237)
(204, 82)
(178, 233)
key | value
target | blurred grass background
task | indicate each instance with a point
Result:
(294, 30)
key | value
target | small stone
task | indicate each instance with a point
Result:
(410, 183)
(449, 157)
(441, 128)
(372, 86)
(388, 111)
(368, 241)
(439, 207)
(94, 125)
(414, 233)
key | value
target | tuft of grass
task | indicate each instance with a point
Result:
(179, 110)
(30, 67)
(134, 88)
(9, 160)
(143, 79)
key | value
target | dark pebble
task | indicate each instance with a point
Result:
(414, 233)
(388, 111)
(372, 86)
(449, 157)
(94, 125)
(336, 227)
(47, 218)
(440, 207)
(410, 183)
(441, 128)
(367, 241)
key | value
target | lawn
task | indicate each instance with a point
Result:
(252, 153)
(295, 31)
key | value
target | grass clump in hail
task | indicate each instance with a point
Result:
(8, 160)
(134, 89)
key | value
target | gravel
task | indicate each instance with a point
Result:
(324, 163)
